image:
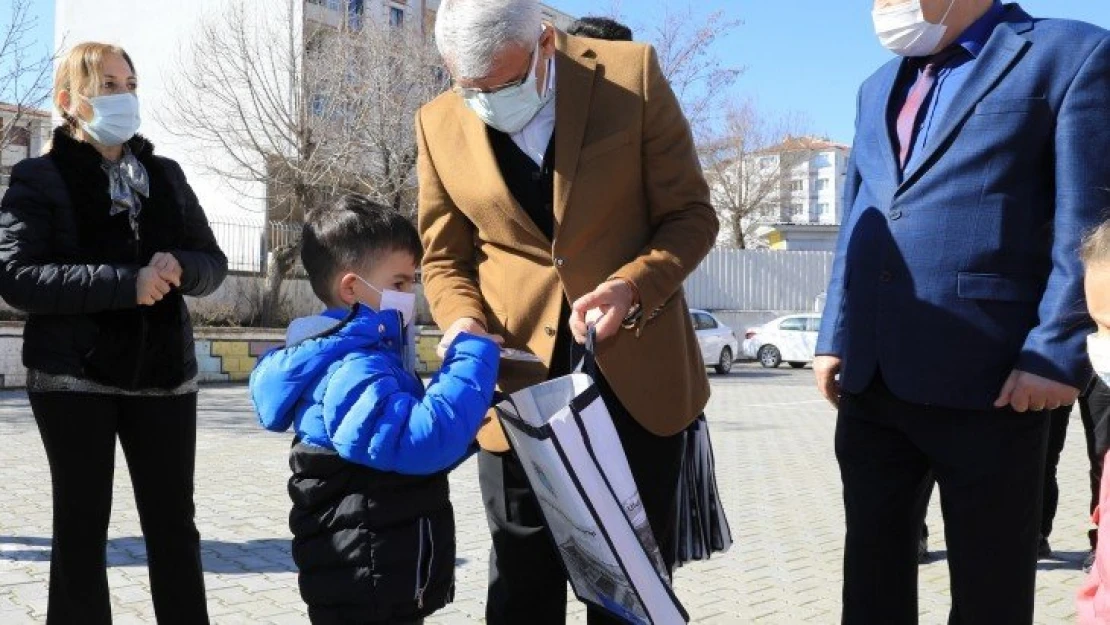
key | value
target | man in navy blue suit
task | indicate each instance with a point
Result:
(955, 317)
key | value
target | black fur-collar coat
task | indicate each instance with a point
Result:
(73, 267)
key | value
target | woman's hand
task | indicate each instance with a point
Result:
(167, 266)
(151, 287)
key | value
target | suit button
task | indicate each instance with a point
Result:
(548, 330)
(886, 276)
(895, 214)
(560, 261)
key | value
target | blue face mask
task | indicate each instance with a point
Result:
(115, 119)
(510, 109)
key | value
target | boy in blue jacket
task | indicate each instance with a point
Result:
(373, 528)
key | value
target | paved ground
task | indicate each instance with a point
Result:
(773, 440)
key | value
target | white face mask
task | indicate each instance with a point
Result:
(510, 109)
(1098, 350)
(903, 30)
(404, 303)
(115, 119)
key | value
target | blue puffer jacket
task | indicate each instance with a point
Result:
(340, 382)
(372, 522)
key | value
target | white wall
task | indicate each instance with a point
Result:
(153, 32)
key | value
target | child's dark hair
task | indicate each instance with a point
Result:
(347, 236)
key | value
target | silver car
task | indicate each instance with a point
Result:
(719, 344)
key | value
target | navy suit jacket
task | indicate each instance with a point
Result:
(965, 267)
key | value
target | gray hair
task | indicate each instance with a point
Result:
(469, 33)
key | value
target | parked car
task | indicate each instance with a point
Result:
(791, 339)
(718, 342)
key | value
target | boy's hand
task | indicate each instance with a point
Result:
(469, 326)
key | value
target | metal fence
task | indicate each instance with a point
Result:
(244, 242)
(759, 280)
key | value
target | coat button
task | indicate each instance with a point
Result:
(548, 330)
(560, 261)
(886, 276)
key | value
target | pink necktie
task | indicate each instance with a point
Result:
(911, 110)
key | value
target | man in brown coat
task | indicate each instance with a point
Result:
(559, 182)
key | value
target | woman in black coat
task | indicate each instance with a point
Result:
(100, 242)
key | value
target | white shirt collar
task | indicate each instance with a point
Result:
(534, 138)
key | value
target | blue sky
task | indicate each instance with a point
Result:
(801, 56)
(809, 56)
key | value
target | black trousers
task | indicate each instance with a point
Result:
(158, 436)
(527, 583)
(1094, 408)
(989, 466)
(1057, 435)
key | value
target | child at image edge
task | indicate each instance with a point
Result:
(1094, 596)
(373, 528)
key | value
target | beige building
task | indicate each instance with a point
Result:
(23, 133)
(797, 186)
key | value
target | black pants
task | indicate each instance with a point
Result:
(527, 583)
(158, 436)
(1094, 408)
(989, 466)
(1057, 435)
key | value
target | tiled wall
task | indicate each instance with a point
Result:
(223, 355)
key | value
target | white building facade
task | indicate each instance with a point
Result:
(798, 186)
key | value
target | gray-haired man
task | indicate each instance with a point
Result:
(558, 178)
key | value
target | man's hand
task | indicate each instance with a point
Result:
(151, 287)
(1025, 391)
(167, 266)
(612, 301)
(826, 368)
(467, 325)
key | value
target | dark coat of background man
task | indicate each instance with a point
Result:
(529, 225)
(955, 315)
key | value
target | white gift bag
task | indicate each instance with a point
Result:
(565, 439)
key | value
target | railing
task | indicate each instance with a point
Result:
(245, 243)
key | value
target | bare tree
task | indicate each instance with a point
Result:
(24, 72)
(684, 37)
(748, 165)
(303, 115)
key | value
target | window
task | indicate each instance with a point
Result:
(354, 14)
(793, 324)
(20, 135)
(703, 321)
(822, 184)
(797, 185)
(813, 324)
(767, 162)
(823, 208)
(396, 17)
(319, 104)
(797, 210)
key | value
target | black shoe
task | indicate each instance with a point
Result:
(923, 550)
(1044, 551)
(1089, 562)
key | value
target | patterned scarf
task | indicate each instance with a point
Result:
(127, 180)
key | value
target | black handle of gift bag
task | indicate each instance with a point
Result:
(588, 364)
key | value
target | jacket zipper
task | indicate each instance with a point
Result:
(424, 569)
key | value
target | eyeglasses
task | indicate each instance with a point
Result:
(469, 92)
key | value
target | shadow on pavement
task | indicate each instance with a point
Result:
(269, 555)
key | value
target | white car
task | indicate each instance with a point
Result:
(719, 344)
(791, 339)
